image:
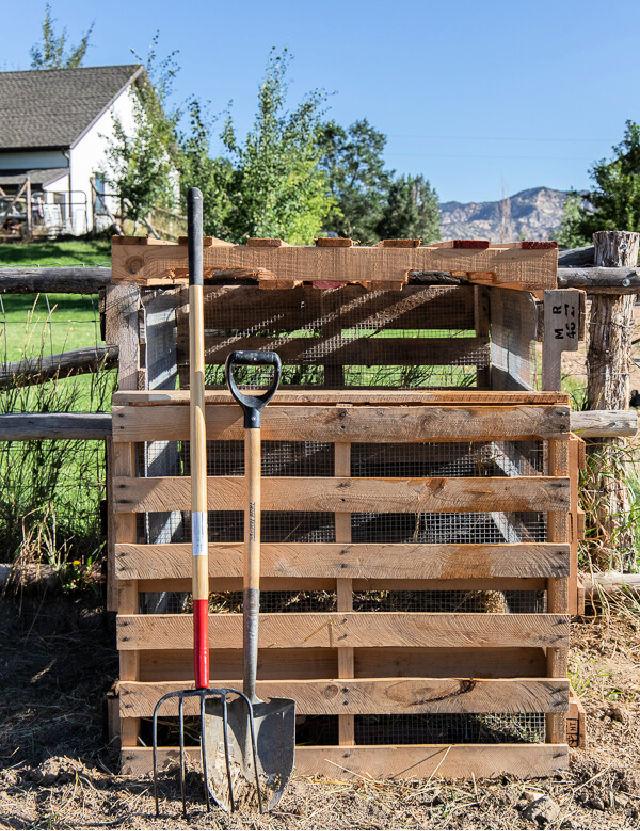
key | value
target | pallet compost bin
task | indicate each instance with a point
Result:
(419, 498)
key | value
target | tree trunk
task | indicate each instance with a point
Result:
(610, 333)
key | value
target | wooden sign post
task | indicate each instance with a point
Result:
(564, 315)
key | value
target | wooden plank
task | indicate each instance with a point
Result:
(354, 396)
(352, 494)
(344, 592)
(355, 561)
(375, 696)
(412, 762)
(373, 662)
(310, 584)
(559, 530)
(508, 266)
(351, 424)
(356, 629)
(122, 305)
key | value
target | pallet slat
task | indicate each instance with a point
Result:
(352, 494)
(376, 695)
(348, 423)
(459, 761)
(357, 629)
(355, 397)
(508, 266)
(357, 561)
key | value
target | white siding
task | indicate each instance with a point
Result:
(88, 157)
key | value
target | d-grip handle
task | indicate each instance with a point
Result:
(252, 405)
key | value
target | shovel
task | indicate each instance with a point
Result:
(273, 720)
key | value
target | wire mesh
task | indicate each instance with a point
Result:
(450, 728)
(423, 336)
(474, 528)
(226, 458)
(428, 728)
(451, 600)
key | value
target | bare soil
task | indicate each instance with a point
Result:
(57, 769)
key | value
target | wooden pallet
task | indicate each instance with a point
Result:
(348, 663)
(527, 266)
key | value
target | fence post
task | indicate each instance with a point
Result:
(610, 334)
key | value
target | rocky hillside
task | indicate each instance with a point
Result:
(532, 214)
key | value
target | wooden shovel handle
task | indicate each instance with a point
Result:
(198, 445)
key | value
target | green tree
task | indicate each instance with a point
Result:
(52, 52)
(352, 160)
(615, 199)
(143, 164)
(214, 176)
(411, 210)
(570, 235)
(277, 187)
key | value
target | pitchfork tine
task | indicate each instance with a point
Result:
(203, 747)
(227, 761)
(155, 756)
(183, 788)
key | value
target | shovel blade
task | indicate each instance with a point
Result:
(274, 730)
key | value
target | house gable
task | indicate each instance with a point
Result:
(53, 109)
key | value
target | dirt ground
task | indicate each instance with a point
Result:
(57, 771)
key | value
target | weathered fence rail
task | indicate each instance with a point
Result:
(56, 279)
(31, 371)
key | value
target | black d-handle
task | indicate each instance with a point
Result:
(252, 405)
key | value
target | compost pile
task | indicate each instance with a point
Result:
(57, 769)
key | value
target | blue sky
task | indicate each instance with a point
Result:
(482, 98)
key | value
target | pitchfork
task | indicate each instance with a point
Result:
(219, 697)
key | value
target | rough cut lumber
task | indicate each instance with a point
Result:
(61, 280)
(460, 761)
(352, 396)
(353, 494)
(26, 426)
(370, 561)
(601, 279)
(32, 371)
(353, 424)
(357, 629)
(509, 266)
(376, 695)
(604, 423)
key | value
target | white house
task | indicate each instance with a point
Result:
(55, 127)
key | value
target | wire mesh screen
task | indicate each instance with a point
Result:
(429, 728)
(448, 459)
(450, 728)
(311, 458)
(422, 336)
(490, 528)
(226, 458)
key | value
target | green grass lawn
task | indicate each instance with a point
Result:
(48, 324)
(70, 252)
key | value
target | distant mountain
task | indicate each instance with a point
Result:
(532, 214)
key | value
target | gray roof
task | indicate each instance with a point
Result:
(38, 176)
(54, 107)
